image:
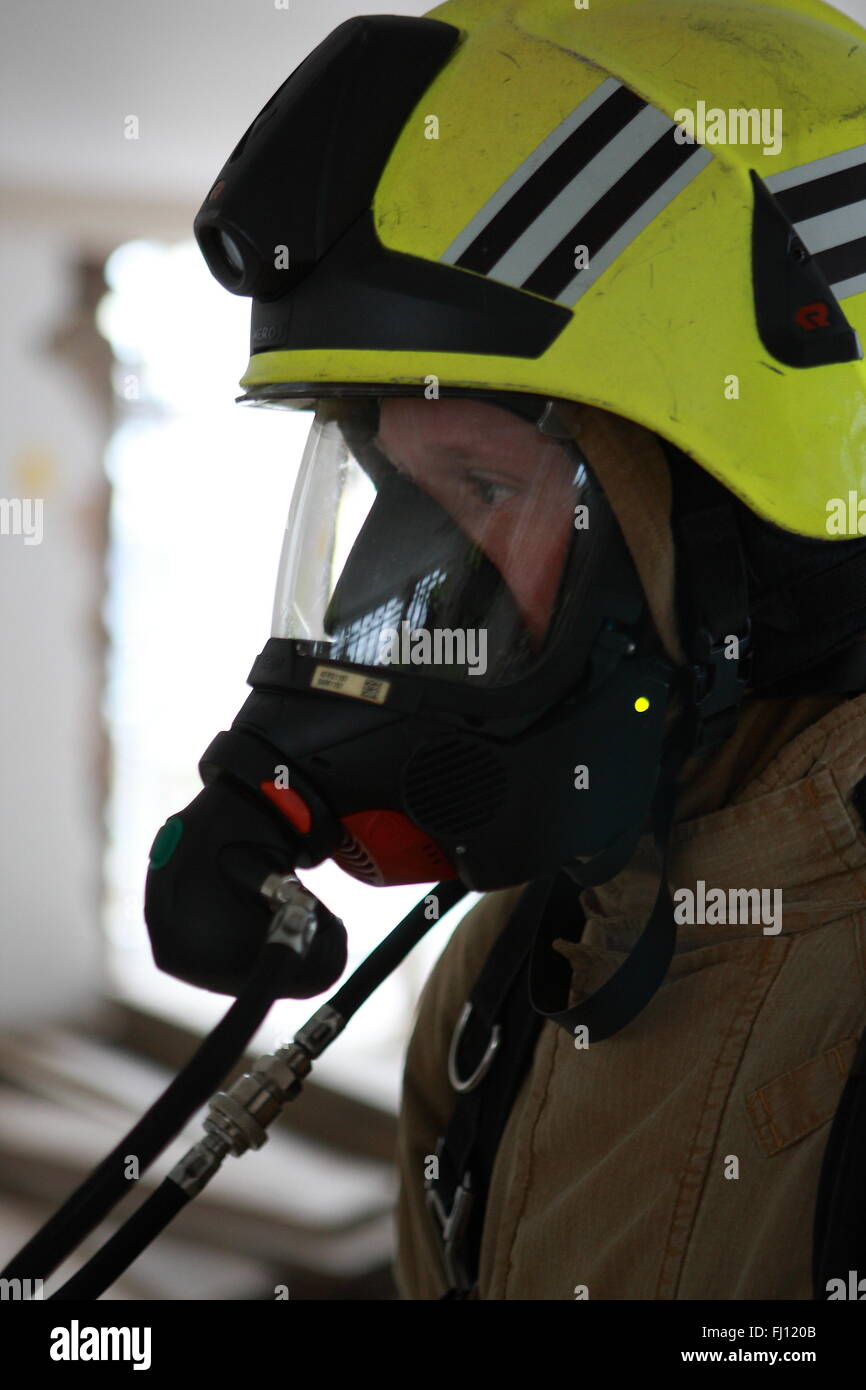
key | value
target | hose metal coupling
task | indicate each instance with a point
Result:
(295, 918)
(241, 1115)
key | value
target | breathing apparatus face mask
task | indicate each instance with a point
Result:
(462, 680)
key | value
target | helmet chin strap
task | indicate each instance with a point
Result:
(630, 989)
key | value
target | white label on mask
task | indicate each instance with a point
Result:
(350, 683)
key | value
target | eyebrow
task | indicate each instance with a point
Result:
(451, 452)
(461, 454)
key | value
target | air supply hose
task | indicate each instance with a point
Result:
(189, 1090)
(236, 1121)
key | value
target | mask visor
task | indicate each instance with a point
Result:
(431, 537)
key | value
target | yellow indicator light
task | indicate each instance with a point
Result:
(641, 704)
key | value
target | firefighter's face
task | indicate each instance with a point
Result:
(510, 489)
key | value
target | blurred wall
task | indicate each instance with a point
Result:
(49, 438)
(53, 425)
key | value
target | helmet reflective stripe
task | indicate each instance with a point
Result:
(607, 170)
(470, 248)
(826, 201)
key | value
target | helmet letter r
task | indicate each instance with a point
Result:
(815, 315)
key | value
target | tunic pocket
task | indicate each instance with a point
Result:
(800, 1101)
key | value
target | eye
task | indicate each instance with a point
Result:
(488, 492)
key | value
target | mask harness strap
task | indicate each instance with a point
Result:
(714, 569)
(633, 985)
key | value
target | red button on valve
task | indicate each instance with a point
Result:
(293, 807)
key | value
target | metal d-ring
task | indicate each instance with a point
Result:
(483, 1066)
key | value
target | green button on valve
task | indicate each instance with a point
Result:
(165, 843)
